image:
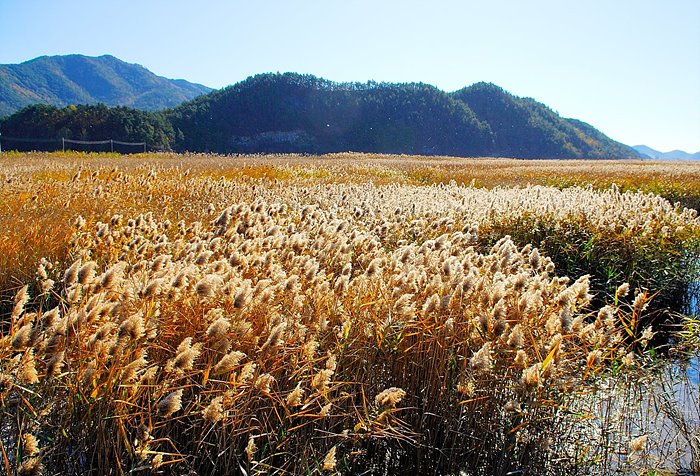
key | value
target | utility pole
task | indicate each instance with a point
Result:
(63, 144)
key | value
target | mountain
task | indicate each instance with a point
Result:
(672, 155)
(301, 113)
(76, 79)
(648, 152)
(525, 128)
(285, 113)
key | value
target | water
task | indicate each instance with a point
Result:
(693, 370)
(675, 404)
(662, 403)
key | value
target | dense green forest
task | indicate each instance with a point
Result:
(525, 128)
(83, 122)
(301, 113)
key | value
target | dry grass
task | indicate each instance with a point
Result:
(42, 194)
(227, 314)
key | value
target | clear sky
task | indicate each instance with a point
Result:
(628, 67)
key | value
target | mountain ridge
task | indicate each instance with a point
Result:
(298, 113)
(671, 155)
(534, 130)
(291, 112)
(77, 79)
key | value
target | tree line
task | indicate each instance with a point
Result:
(41, 127)
(284, 113)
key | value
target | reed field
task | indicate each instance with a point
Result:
(342, 314)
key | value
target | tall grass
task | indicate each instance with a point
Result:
(210, 315)
(648, 420)
(43, 193)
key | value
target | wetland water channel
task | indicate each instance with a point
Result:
(648, 421)
(669, 408)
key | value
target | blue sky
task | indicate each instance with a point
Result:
(628, 67)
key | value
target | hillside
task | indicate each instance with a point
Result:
(301, 113)
(76, 79)
(286, 113)
(525, 128)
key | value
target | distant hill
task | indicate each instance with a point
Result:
(672, 155)
(285, 113)
(301, 113)
(647, 152)
(75, 79)
(525, 128)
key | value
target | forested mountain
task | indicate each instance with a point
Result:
(301, 113)
(525, 128)
(76, 79)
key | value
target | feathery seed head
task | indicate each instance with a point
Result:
(180, 279)
(594, 359)
(531, 376)
(47, 285)
(31, 467)
(170, 404)
(22, 337)
(321, 380)
(251, 448)
(41, 271)
(647, 335)
(218, 329)
(622, 290)
(133, 327)
(521, 359)
(329, 461)
(71, 274)
(640, 303)
(295, 397)
(86, 273)
(431, 304)
(638, 444)
(264, 383)
(30, 444)
(374, 268)
(185, 358)
(482, 359)
(275, 337)
(516, 338)
(214, 412)
(21, 299)
(130, 371)
(247, 373)
(242, 295)
(390, 397)
(205, 287)
(55, 363)
(27, 373)
(49, 318)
